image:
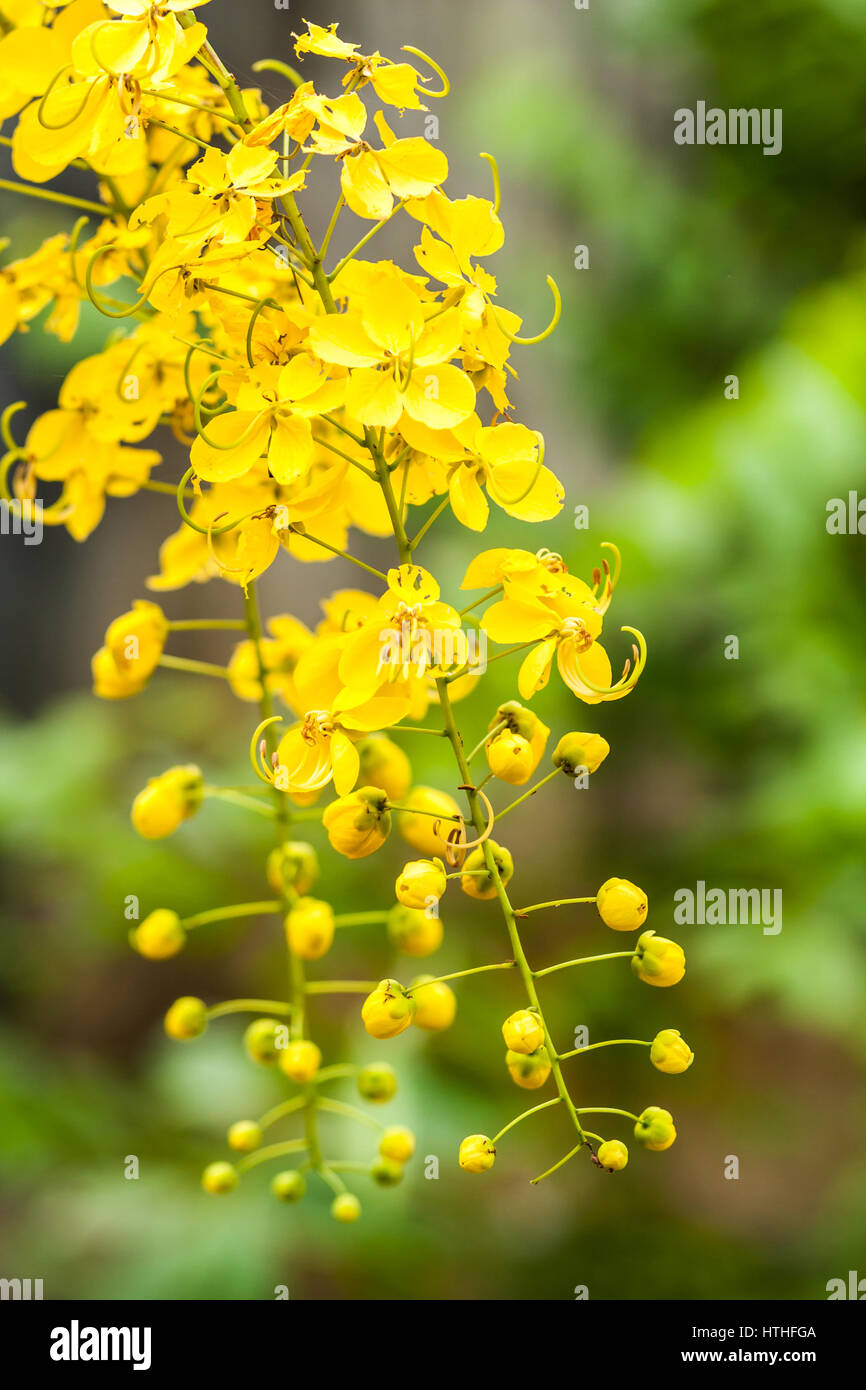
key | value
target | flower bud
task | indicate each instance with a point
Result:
(477, 1154)
(414, 933)
(529, 1071)
(425, 833)
(435, 1004)
(524, 722)
(577, 751)
(481, 885)
(386, 1172)
(670, 1052)
(613, 1155)
(135, 640)
(310, 928)
(159, 936)
(420, 882)
(260, 1040)
(166, 801)
(186, 1019)
(219, 1178)
(658, 961)
(622, 905)
(397, 1143)
(377, 1082)
(346, 1207)
(389, 1010)
(509, 757)
(522, 1031)
(358, 824)
(300, 1060)
(289, 1186)
(384, 765)
(294, 865)
(110, 683)
(655, 1128)
(244, 1136)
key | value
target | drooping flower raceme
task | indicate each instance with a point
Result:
(316, 397)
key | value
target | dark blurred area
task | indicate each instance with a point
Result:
(704, 262)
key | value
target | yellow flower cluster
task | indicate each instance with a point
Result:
(315, 396)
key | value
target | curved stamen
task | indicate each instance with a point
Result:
(446, 85)
(494, 169)
(539, 337)
(257, 743)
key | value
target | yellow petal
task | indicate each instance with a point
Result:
(235, 429)
(439, 396)
(535, 669)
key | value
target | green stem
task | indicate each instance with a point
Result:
(203, 624)
(584, 960)
(609, 1042)
(459, 975)
(556, 902)
(526, 795)
(248, 1006)
(50, 196)
(288, 1146)
(545, 1105)
(341, 986)
(222, 914)
(196, 668)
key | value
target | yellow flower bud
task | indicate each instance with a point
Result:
(166, 801)
(509, 757)
(420, 831)
(385, 765)
(186, 1019)
(294, 865)
(288, 1186)
(260, 1040)
(377, 1082)
(388, 1010)
(576, 751)
(219, 1178)
(522, 1031)
(397, 1143)
(613, 1155)
(481, 885)
(310, 928)
(135, 640)
(110, 683)
(358, 824)
(346, 1207)
(300, 1060)
(413, 932)
(530, 1071)
(622, 905)
(244, 1136)
(477, 1154)
(525, 723)
(655, 1128)
(658, 961)
(420, 883)
(435, 1004)
(670, 1052)
(386, 1172)
(159, 936)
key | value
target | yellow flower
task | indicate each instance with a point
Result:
(658, 961)
(421, 883)
(655, 1128)
(358, 824)
(476, 879)
(377, 1083)
(159, 936)
(613, 1155)
(414, 932)
(397, 1143)
(244, 1136)
(288, 1186)
(388, 1011)
(529, 1072)
(394, 83)
(186, 1019)
(477, 1154)
(110, 683)
(522, 1031)
(514, 753)
(384, 764)
(315, 752)
(219, 1178)
(300, 1060)
(167, 801)
(622, 905)
(260, 1040)
(577, 751)
(505, 462)
(310, 928)
(435, 1003)
(670, 1052)
(135, 640)
(279, 653)
(429, 816)
(346, 1207)
(294, 865)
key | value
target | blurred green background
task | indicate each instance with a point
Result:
(703, 262)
